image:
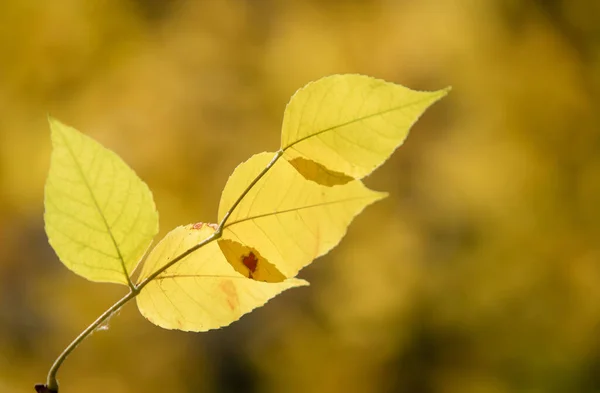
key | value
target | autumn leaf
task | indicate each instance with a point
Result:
(278, 211)
(99, 215)
(202, 291)
(284, 221)
(349, 125)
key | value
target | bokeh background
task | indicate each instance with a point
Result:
(480, 273)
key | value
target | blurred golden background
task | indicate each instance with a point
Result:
(480, 273)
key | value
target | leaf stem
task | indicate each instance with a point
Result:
(51, 382)
(218, 232)
(247, 190)
(178, 258)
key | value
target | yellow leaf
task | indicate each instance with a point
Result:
(202, 291)
(350, 124)
(285, 219)
(99, 215)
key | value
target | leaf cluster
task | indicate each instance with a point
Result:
(278, 212)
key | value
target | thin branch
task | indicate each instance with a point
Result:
(178, 258)
(52, 383)
(247, 190)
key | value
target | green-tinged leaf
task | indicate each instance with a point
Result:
(99, 215)
(202, 291)
(350, 124)
(284, 220)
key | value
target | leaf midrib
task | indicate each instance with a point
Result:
(302, 208)
(333, 128)
(97, 206)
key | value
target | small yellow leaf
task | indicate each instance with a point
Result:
(99, 215)
(289, 220)
(202, 291)
(351, 124)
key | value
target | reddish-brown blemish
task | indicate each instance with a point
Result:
(231, 295)
(199, 225)
(251, 262)
(178, 322)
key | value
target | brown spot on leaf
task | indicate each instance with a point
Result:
(178, 322)
(251, 262)
(199, 225)
(231, 295)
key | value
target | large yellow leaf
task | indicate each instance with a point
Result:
(202, 291)
(349, 124)
(284, 222)
(99, 215)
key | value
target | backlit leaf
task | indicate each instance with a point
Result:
(202, 291)
(350, 124)
(284, 220)
(99, 215)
